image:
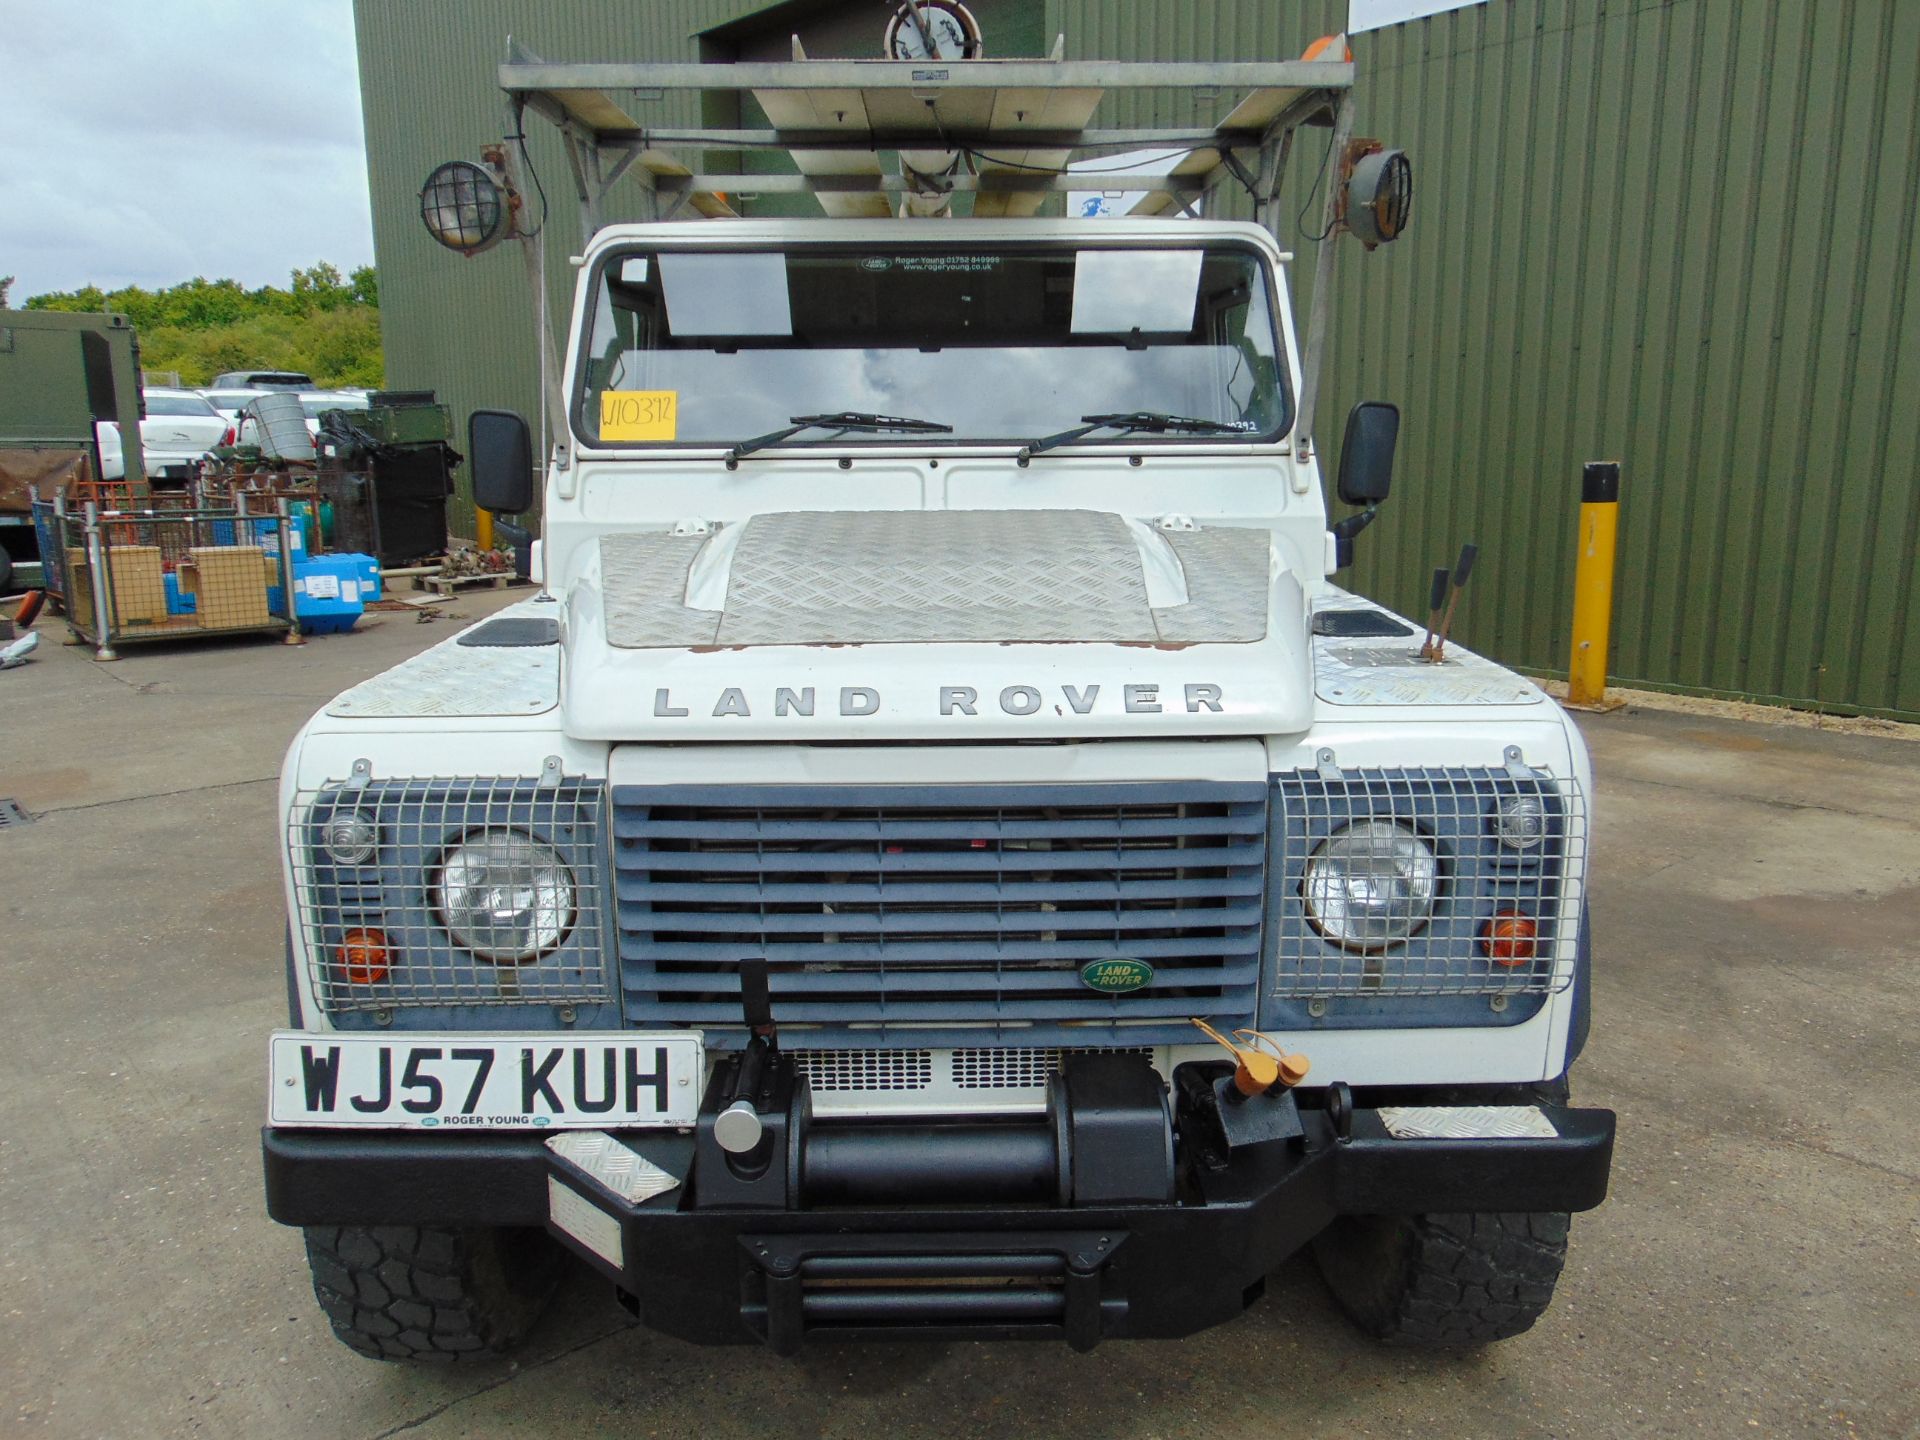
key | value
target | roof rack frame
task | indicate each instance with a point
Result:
(593, 106)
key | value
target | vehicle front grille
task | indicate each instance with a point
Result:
(949, 915)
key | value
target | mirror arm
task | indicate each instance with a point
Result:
(1353, 524)
(1343, 532)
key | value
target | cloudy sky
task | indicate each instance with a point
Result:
(149, 141)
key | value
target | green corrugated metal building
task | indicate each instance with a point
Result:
(1675, 233)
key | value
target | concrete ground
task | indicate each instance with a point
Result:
(1756, 1271)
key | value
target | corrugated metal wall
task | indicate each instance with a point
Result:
(1679, 235)
(1675, 233)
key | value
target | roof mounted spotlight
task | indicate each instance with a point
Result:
(467, 207)
(1376, 197)
(932, 30)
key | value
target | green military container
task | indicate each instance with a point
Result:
(60, 375)
(406, 417)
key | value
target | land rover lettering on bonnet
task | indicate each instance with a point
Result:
(939, 855)
(803, 701)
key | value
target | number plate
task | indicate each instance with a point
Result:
(486, 1082)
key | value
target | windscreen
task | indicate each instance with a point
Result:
(1002, 345)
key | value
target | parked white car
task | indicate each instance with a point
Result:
(179, 429)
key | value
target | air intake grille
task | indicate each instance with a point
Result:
(924, 916)
(975, 1069)
(866, 1069)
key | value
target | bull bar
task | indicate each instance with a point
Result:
(1115, 1216)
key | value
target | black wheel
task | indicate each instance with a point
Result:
(1445, 1280)
(6, 570)
(397, 1293)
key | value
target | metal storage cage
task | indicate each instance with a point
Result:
(169, 574)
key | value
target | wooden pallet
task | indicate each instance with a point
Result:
(447, 584)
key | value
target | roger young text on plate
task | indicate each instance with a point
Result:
(858, 700)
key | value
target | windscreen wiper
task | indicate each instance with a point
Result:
(1139, 420)
(839, 422)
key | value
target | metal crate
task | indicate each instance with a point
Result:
(168, 573)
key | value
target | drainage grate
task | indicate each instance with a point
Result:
(12, 814)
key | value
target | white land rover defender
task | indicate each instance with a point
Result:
(937, 857)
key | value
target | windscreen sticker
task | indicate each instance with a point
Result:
(639, 414)
(947, 264)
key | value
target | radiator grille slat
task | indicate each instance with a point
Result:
(969, 952)
(900, 861)
(834, 1010)
(852, 892)
(931, 982)
(964, 907)
(957, 828)
(762, 920)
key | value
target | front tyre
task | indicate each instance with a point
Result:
(405, 1293)
(1443, 1280)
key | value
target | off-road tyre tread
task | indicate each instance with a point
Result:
(407, 1293)
(1450, 1281)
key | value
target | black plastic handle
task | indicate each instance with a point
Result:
(756, 1002)
(1439, 595)
(1464, 566)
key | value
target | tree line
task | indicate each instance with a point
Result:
(323, 323)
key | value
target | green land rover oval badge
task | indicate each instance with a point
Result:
(1116, 977)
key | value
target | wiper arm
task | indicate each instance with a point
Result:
(839, 422)
(1139, 420)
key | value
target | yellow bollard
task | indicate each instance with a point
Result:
(1593, 586)
(482, 529)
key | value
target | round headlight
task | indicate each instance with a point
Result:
(349, 837)
(504, 895)
(1371, 884)
(1520, 823)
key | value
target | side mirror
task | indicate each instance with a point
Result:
(1366, 454)
(500, 452)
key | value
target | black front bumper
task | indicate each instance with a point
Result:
(709, 1268)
